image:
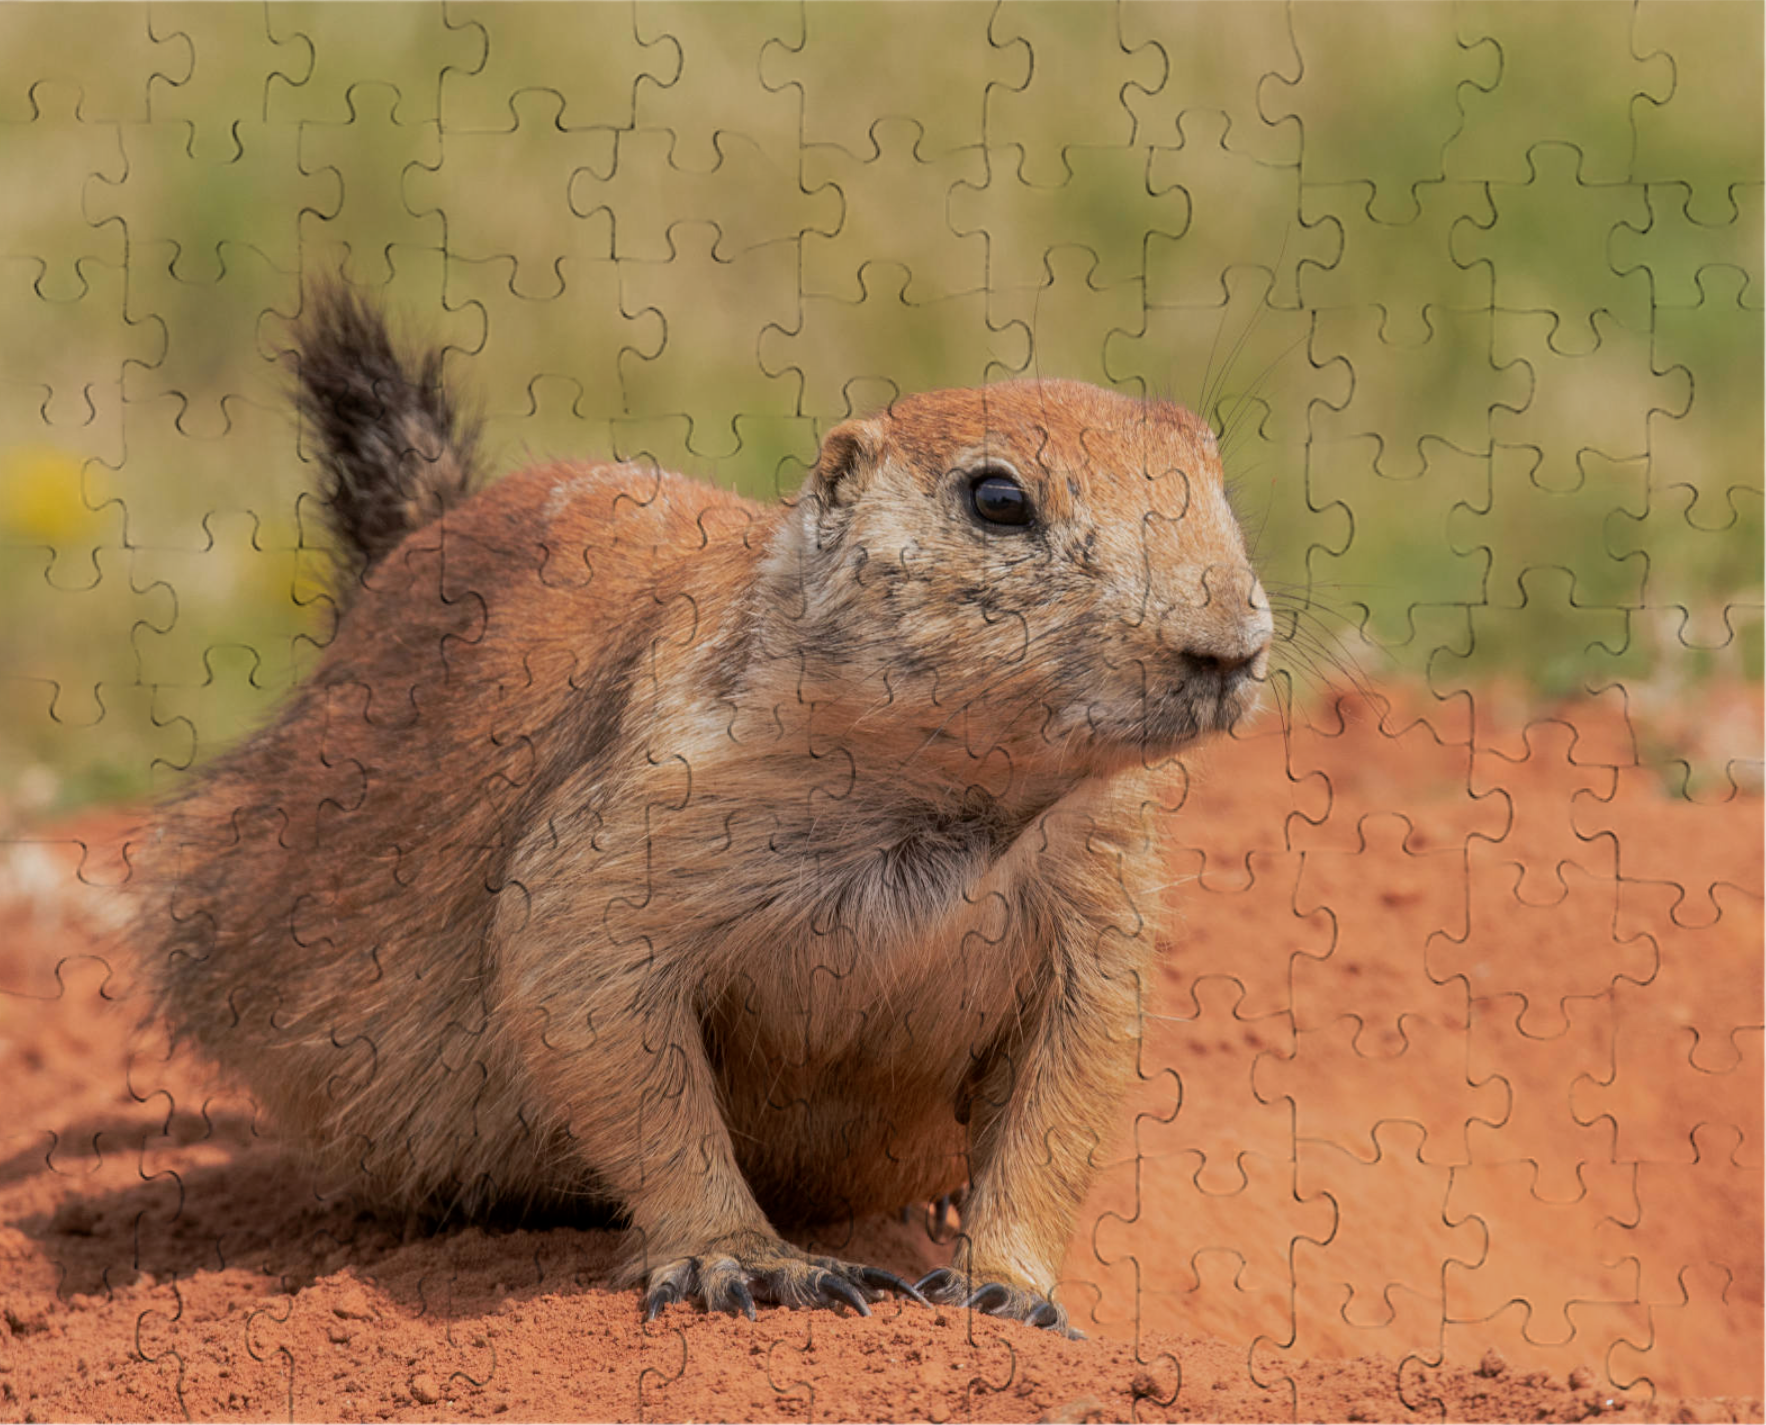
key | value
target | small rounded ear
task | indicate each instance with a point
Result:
(847, 452)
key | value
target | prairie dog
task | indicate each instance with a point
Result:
(729, 865)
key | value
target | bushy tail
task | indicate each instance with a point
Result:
(394, 451)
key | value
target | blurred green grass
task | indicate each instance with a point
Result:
(1474, 292)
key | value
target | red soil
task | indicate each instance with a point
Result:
(1439, 1117)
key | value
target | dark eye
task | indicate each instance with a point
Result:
(998, 499)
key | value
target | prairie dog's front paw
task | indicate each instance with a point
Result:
(949, 1287)
(734, 1274)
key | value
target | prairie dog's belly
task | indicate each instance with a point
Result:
(817, 1146)
(845, 1103)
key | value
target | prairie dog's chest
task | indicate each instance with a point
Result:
(911, 970)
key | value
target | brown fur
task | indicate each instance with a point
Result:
(732, 865)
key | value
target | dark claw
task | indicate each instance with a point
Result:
(880, 1280)
(734, 1297)
(1045, 1314)
(660, 1297)
(936, 1280)
(938, 1219)
(987, 1297)
(838, 1291)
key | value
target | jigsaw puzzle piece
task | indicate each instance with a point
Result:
(1234, 204)
(189, 218)
(202, 450)
(45, 467)
(1688, 1218)
(895, 209)
(1690, 136)
(547, 369)
(1545, 953)
(411, 52)
(1383, 905)
(1219, 59)
(110, 62)
(1682, 850)
(1395, 396)
(62, 159)
(508, 192)
(1071, 318)
(756, 197)
(844, 90)
(1401, 267)
(710, 306)
(1214, 794)
(1396, 59)
(716, 92)
(1342, 1087)
(592, 60)
(1536, 514)
(1548, 51)
(1379, 758)
(1209, 1262)
(368, 157)
(211, 327)
(1540, 786)
(1689, 1038)
(224, 92)
(1569, 274)
(1210, 941)
(1077, 65)
(1704, 1343)
(83, 742)
(54, 517)
(851, 357)
(1245, 366)
(1540, 1051)
(1579, 443)
(1579, 1361)
(1671, 248)
(1103, 199)
(1571, 647)
(232, 652)
(1711, 441)
(1376, 1284)
(1211, 1047)
(1384, 570)
(77, 634)
(1502, 1199)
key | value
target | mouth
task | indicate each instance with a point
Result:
(1163, 723)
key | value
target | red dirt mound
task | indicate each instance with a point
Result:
(1451, 1107)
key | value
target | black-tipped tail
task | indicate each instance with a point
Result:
(394, 451)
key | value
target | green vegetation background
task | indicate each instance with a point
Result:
(1473, 292)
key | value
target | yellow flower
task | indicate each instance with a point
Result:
(40, 495)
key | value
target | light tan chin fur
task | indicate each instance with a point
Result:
(731, 865)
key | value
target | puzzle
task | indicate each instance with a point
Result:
(985, 711)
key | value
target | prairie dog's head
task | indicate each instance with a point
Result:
(1041, 567)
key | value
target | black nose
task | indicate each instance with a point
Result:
(1217, 665)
